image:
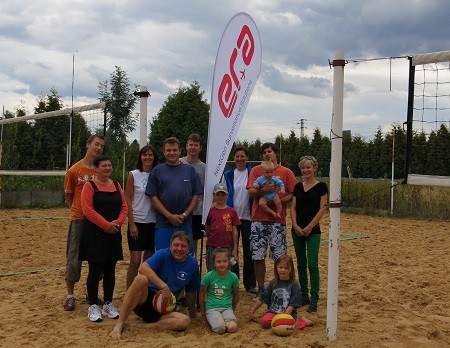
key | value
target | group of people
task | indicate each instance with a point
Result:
(163, 204)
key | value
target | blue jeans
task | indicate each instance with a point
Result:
(163, 235)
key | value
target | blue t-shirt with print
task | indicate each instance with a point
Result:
(177, 275)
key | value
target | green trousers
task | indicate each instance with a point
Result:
(307, 252)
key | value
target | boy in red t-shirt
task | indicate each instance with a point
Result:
(220, 227)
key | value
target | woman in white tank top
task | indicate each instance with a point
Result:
(141, 214)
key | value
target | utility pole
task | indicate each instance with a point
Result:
(302, 127)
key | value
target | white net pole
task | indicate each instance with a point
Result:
(335, 194)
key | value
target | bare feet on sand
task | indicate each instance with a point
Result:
(303, 323)
(116, 333)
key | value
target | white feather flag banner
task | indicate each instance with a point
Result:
(238, 64)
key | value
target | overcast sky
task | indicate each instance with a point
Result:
(166, 44)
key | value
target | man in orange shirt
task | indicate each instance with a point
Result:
(268, 230)
(75, 178)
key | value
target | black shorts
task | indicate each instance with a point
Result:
(146, 311)
(146, 237)
(197, 227)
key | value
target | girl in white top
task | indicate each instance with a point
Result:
(141, 214)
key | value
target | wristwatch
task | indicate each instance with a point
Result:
(184, 215)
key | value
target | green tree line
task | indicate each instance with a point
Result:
(42, 145)
(367, 159)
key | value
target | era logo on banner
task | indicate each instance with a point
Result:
(230, 85)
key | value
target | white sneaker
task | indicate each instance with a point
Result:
(94, 313)
(110, 311)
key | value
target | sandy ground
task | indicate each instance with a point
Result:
(394, 290)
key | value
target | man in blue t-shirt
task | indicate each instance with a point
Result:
(174, 189)
(169, 270)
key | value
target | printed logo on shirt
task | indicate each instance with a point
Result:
(227, 222)
(182, 275)
(85, 178)
(218, 292)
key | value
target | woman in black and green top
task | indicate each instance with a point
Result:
(307, 208)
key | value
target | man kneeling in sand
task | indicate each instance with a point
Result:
(171, 270)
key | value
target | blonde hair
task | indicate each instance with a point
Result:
(308, 159)
(267, 165)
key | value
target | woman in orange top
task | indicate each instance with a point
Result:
(105, 209)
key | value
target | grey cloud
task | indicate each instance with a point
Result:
(360, 28)
(312, 86)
